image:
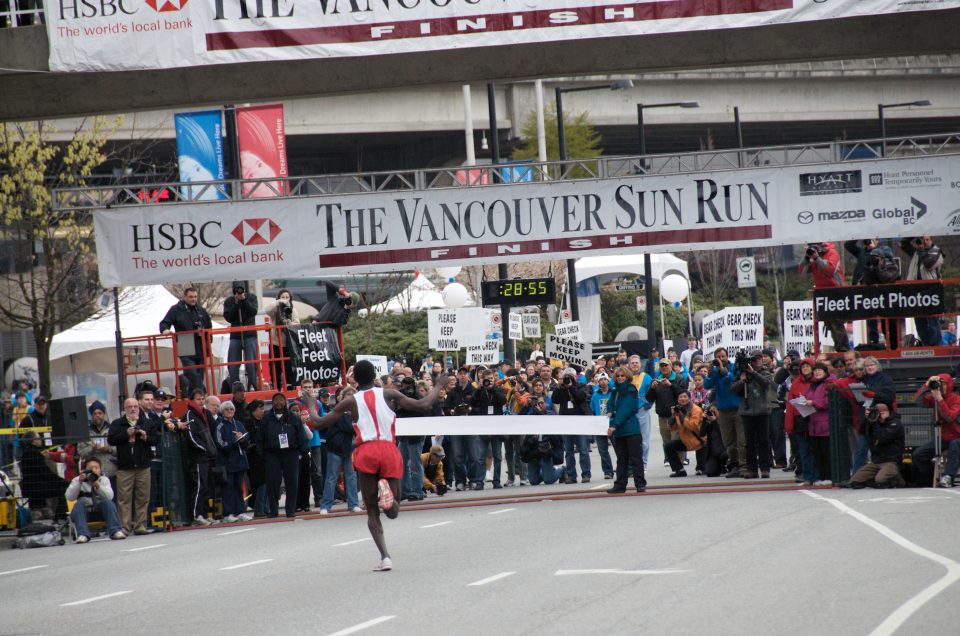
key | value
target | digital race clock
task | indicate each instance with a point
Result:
(528, 291)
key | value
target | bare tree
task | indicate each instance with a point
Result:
(718, 274)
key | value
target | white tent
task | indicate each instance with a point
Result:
(421, 294)
(83, 358)
(605, 268)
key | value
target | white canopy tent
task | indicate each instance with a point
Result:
(83, 358)
(419, 295)
(606, 268)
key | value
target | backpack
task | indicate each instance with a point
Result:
(42, 540)
(529, 449)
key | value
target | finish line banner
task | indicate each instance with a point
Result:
(392, 231)
(114, 35)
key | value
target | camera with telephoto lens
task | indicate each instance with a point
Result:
(933, 384)
(89, 475)
(716, 363)
(918, 242)
(811, 251)
(441, 489)
(873, 415)
(567, 379)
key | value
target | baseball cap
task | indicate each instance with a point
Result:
(323, 393)
(40, 398)
(161, 395)
(601, 376)
(237, 386)
(437, 450)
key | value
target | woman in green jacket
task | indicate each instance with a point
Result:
(625, 431)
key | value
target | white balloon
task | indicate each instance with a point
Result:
(455, 295)
(447, 273)
(673, 288)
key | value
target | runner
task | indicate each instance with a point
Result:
(376, 458)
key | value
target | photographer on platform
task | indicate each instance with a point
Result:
(755, 385)
(823, 263)
(938, 393)
(92, 493)
(885, 433)
(873, 266)
(240, 310)
(926, 259)
(188, 315)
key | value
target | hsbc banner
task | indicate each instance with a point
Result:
(880, 301)
(391, 231)
(200, 151)
(111, 35)
(263, 149)
(315, 354)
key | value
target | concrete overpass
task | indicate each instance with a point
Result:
(29, 90)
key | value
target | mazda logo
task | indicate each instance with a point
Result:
(805, 217)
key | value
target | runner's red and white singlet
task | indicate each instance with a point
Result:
(376, 418)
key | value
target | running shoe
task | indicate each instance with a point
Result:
(384, 564)
(385, 497)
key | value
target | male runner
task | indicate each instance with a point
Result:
(376, 459)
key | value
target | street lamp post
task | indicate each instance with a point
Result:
(562, 146)
(647, 261)
(754, 300)
(883, 123)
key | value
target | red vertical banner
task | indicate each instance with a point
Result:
(263, 150)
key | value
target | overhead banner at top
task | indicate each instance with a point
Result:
(107, 35)
(391, 231)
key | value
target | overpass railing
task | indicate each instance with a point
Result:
(173, 192)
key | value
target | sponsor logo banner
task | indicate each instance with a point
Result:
(87, 35)
(886, 301)
(263, 149)
(316, 354)
(390, 231)
(200, 151)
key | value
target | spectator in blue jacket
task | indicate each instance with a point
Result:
(232, 438)
(728, 406)
(641, 382)
(599, 402)
(625, 430)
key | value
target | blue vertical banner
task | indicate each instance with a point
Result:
(200, 152)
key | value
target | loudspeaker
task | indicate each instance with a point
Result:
(68, 418)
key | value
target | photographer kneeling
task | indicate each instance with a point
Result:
(685, 419)
(885, 433)
(92, 492)
(712, 458)
(938, 392)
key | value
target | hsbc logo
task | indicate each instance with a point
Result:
(165, 6)
(256, 231)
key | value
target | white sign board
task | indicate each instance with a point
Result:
(515, 329)
(453, 329)
(569, 330)
(379, 363)
(486, 354)
(733, 328)
(746, 272)
(116, 35)
(641, 304)
(570, 351)
(798, 327)
(531, 325)
(157, 244)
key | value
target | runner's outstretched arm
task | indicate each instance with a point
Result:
(348, 406)
(402, 401)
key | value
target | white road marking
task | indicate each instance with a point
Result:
(223, 534)
(32, 567)
(895, 620)
(616, 571)
(357, 628)
(436, 525)
(337, 545)
(500, 512)
(96, 598)
(491, 579)
(601, 486)
(899, 500)
(947, 491)
(146, 547)
(244, 565)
